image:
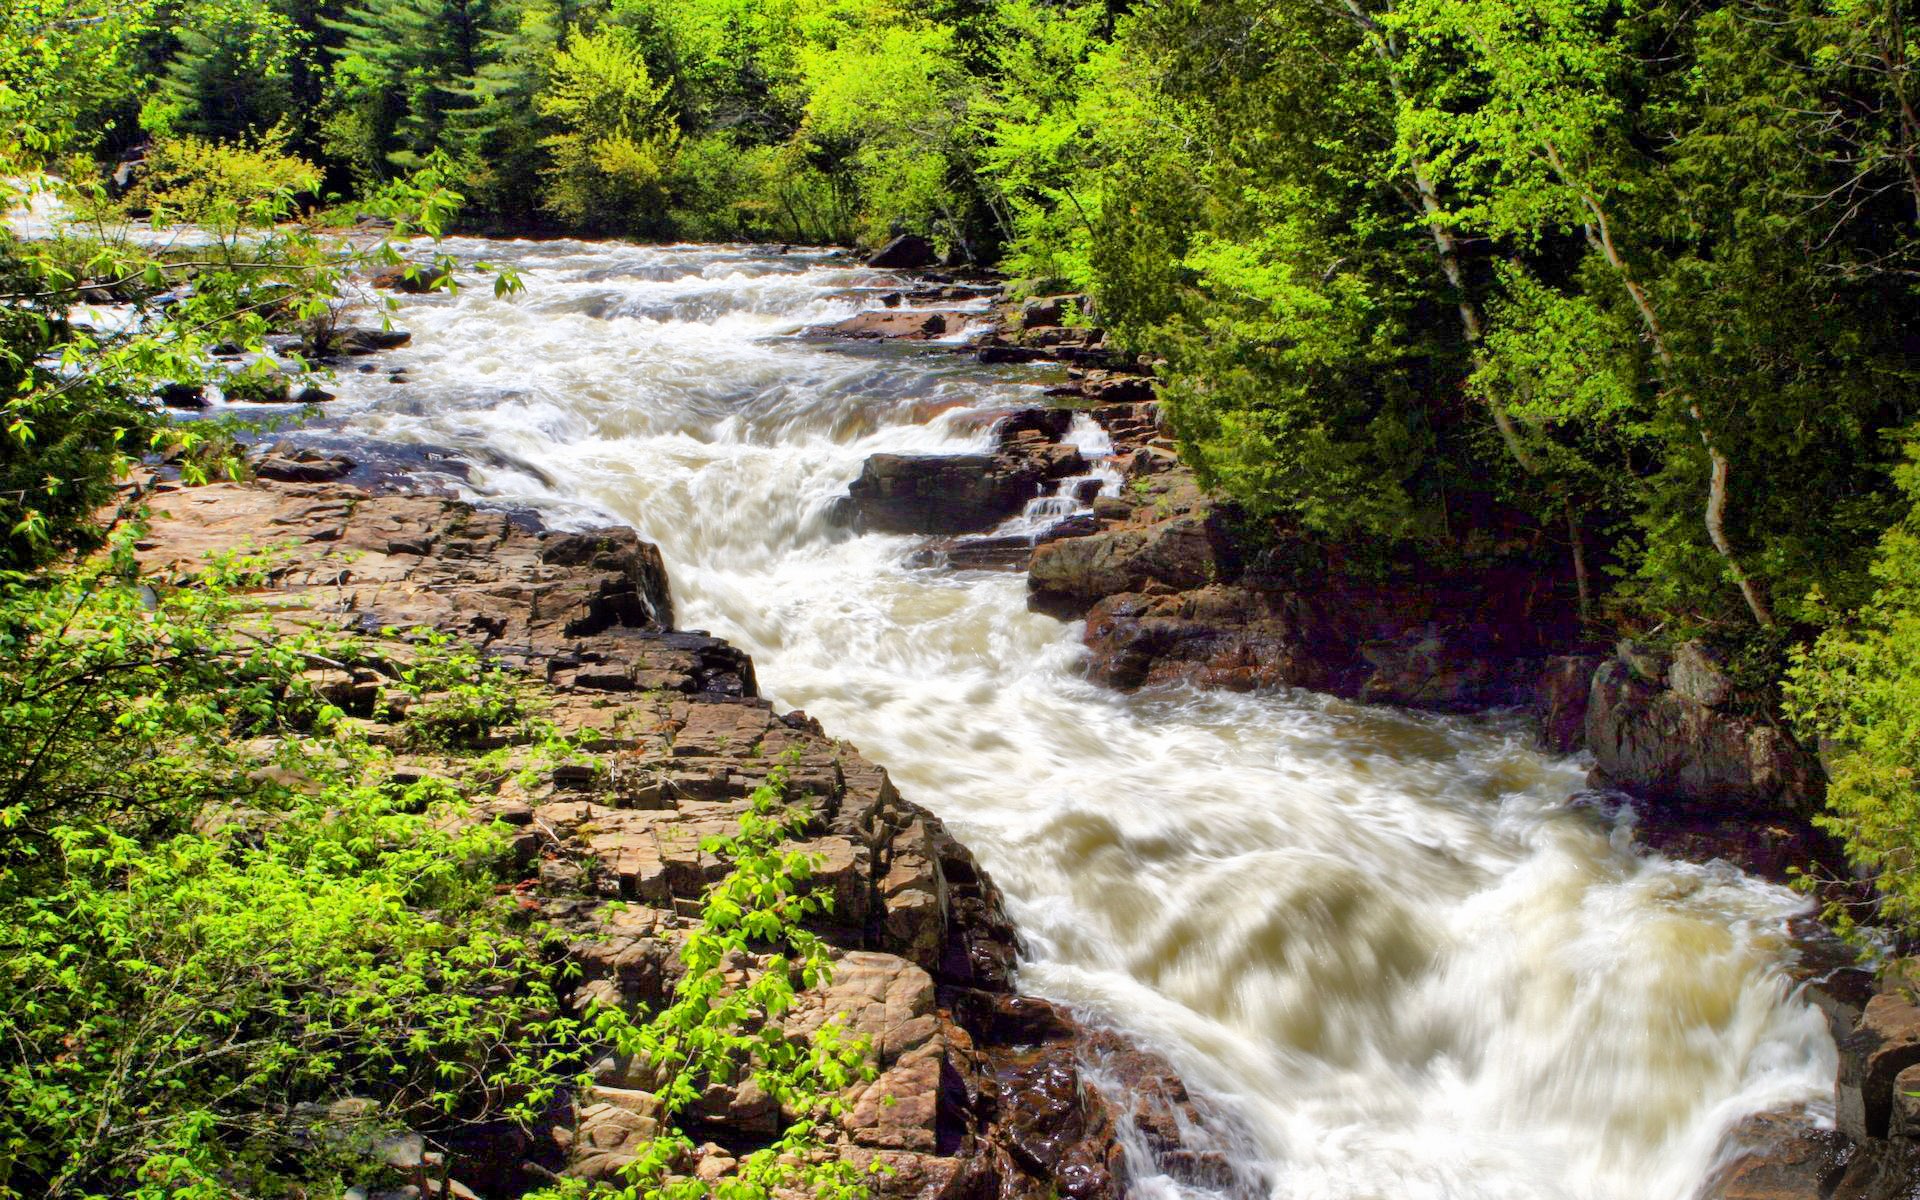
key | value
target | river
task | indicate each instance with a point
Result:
(1385, 939)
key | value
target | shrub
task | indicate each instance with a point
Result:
(1857, 690)
(222, 183)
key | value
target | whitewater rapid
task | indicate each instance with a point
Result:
(1384, 939)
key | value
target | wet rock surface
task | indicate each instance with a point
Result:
(1872, 1150)
(1170, 596)
(980, 1092)
(288, 464)
(1661, 726)
(902, 325)
(964, 493)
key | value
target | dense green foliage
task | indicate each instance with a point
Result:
(217, 912)
(1858, 689)
(238, 946)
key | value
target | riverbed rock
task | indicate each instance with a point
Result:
(413, 279)
(1654, 741)
(1779, 1156)
(407, 561)
(358, 340)
(995, 354)
(1051, 310)
(1177, 555)
(1010, 552)
(1885, 1043)
(257, 387)
(908, 252)
(964, 493)
(910, 325)
(290, 465)
(978, 1092)
(1121, 392)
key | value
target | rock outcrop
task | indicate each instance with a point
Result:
(980, 1092)
(1665, 725)
(1874, 1153)
(908, 252)
(908, 325)
(964, 493)
(1169, 595)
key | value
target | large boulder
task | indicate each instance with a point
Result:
(908, 252)
(1776, 1156)
(412, 278)
(1655, 741)
(1884, 1044)
(301, 465)
(1176, 555)
(1223, 636)
(361, 339)
(1044, 311)
(952, 493)
(964, 493)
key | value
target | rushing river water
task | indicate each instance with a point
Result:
(1385, 939)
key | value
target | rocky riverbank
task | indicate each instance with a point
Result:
(981, 1091)
(1171, 591)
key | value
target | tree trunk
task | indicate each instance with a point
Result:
(1579, 559)
(1600, 236)
(1444, 243)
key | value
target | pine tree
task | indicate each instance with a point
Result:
(232, 74)
(399, 74)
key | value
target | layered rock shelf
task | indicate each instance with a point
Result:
(981, 1092)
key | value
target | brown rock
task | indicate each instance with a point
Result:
(964, 493)
(1885, 1043)
(1778, 1157)
(1177, 553)
(1050, 310)
(911, 325)
(1653, 741)
(302, 466)
(1560, 701)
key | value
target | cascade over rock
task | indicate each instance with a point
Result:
(1306, 901)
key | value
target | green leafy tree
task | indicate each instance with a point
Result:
(616, 142)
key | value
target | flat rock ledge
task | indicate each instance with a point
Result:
(982, 1093)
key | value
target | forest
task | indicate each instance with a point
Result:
(1638, 281)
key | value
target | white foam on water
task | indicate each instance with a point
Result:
(1383, 938)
